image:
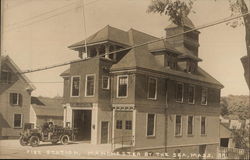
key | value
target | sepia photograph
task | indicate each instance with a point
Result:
(125, 79)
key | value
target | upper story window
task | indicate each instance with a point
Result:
(179, 92)
(151, 124)
(203, 125)
(178, 125)
(191, 67)
(122, 87)
(90, 85)
(119, 124)
(191, 94)
(204, 96)
(5, 77)
(75, 86)
(18, 120)
(105, 82)
(152, 88)
(190, 127)
(15, 99)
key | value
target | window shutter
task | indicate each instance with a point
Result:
(20, 100)
(11, 99)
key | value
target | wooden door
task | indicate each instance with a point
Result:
(104, 132)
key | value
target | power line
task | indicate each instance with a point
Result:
(46, 18)
(135, 46)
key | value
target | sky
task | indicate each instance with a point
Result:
(37, 33)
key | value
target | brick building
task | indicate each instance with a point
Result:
(155, 95)
(15, 93)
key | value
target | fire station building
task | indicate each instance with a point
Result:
(153, 97)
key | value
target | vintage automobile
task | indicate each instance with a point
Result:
(48, 133)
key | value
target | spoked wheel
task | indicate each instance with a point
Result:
(23, 141)
(34, 141)
(65, 139)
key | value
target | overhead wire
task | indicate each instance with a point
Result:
(139, 45)
(46, 18)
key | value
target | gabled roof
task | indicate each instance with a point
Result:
(7, 60)
(44, 106)
(107, 33)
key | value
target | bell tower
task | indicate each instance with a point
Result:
(188, 40)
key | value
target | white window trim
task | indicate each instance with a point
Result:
(175, 126)
(194, 94)
(108, 83)
(71, 86)
(205, 126)
(147, 125)
(156, 88)
(203, 88)
(117, 87)
(192, 125)
(182, 92)
(21, 121)
(86, 77)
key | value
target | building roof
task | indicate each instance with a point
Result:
(107, 33)
(44, 106)
(7, 60)
(141, 57)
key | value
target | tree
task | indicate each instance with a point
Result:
(178, 9)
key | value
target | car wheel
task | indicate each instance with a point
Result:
(65, 139)
(34, 141)
(23, 141)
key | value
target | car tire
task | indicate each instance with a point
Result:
(34, 141)
(65, 139)
(23, 142)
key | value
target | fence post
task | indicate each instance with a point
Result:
(122, 142)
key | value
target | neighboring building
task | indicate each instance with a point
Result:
(155, 94)
(45, 109)
(15, 93)
(226, 136)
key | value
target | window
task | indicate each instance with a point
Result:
(105, 82)
(119, 124)
(90, 85)
(128, 125)
(15, 99)
(5, 77)
(178, 125)
(17, 121)
(191, 94)
(203, 125)
(150, 124)
(179, 92)
(75, 86)
(190, 125)
(122, 86)
(204, 96)
(152, 88)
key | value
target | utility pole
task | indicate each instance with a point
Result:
(1, 31)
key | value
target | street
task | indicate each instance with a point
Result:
(11, 149)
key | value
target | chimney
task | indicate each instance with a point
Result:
(188, 40)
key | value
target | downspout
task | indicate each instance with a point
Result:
(166, 117)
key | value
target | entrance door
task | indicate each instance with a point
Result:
(202, 150)
(104, 132)
(82, 121)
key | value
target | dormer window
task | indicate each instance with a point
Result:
(191, 67)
